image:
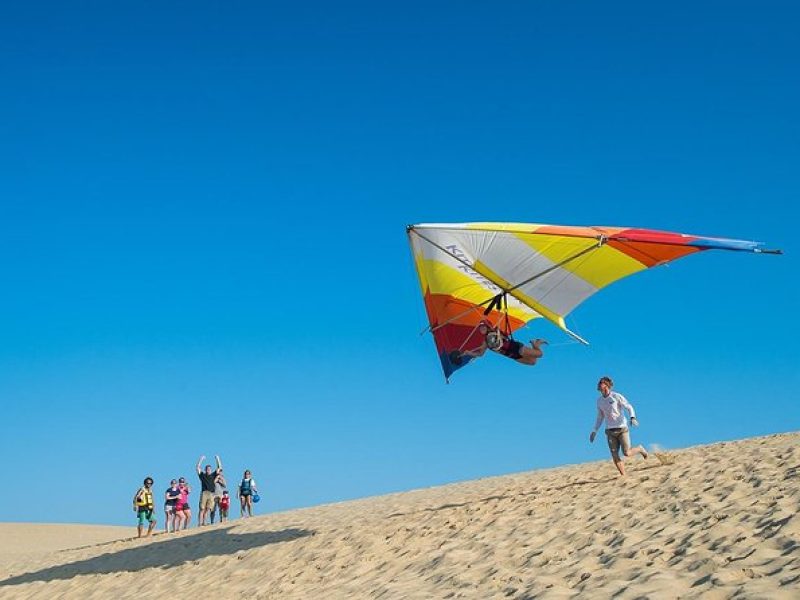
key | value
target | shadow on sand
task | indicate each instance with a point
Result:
(164, 552)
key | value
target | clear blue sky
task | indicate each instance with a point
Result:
(204, 250)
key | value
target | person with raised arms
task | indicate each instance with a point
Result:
(207, 478)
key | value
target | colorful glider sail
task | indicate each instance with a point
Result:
(511, 273)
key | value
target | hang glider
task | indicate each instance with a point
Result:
(507, 274)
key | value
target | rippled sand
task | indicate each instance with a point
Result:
(705, 522)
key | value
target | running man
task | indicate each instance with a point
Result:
(610, 407)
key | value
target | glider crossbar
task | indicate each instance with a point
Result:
(600, 241)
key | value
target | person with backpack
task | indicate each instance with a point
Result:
(144, 507)
(247, 490)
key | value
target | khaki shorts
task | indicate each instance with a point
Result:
(207, 500)
(616, 437)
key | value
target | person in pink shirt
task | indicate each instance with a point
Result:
(183, 513)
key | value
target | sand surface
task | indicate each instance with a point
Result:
(718, 521)
(43, 538)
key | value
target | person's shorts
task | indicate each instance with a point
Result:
(207, 500)
(512, 349)
(146, 514)
(169, 508)
(616, 437)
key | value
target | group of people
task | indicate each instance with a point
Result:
(214, 496)
(214, 500)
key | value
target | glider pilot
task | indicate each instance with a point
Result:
(496, 340)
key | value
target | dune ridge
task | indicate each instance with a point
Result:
(713, 521)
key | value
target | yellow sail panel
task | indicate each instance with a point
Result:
(599, 267)
(444, 280)
(491, 275)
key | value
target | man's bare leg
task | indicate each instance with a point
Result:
(638, 450)
(529, 356)
(619, 464)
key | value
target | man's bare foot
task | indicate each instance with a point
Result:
(643, 452)
(538, 342)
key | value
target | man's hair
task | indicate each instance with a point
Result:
(607, 379)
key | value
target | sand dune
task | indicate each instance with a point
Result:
(719, 521)
(42, 538)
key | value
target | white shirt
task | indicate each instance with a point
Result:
(610, 408)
